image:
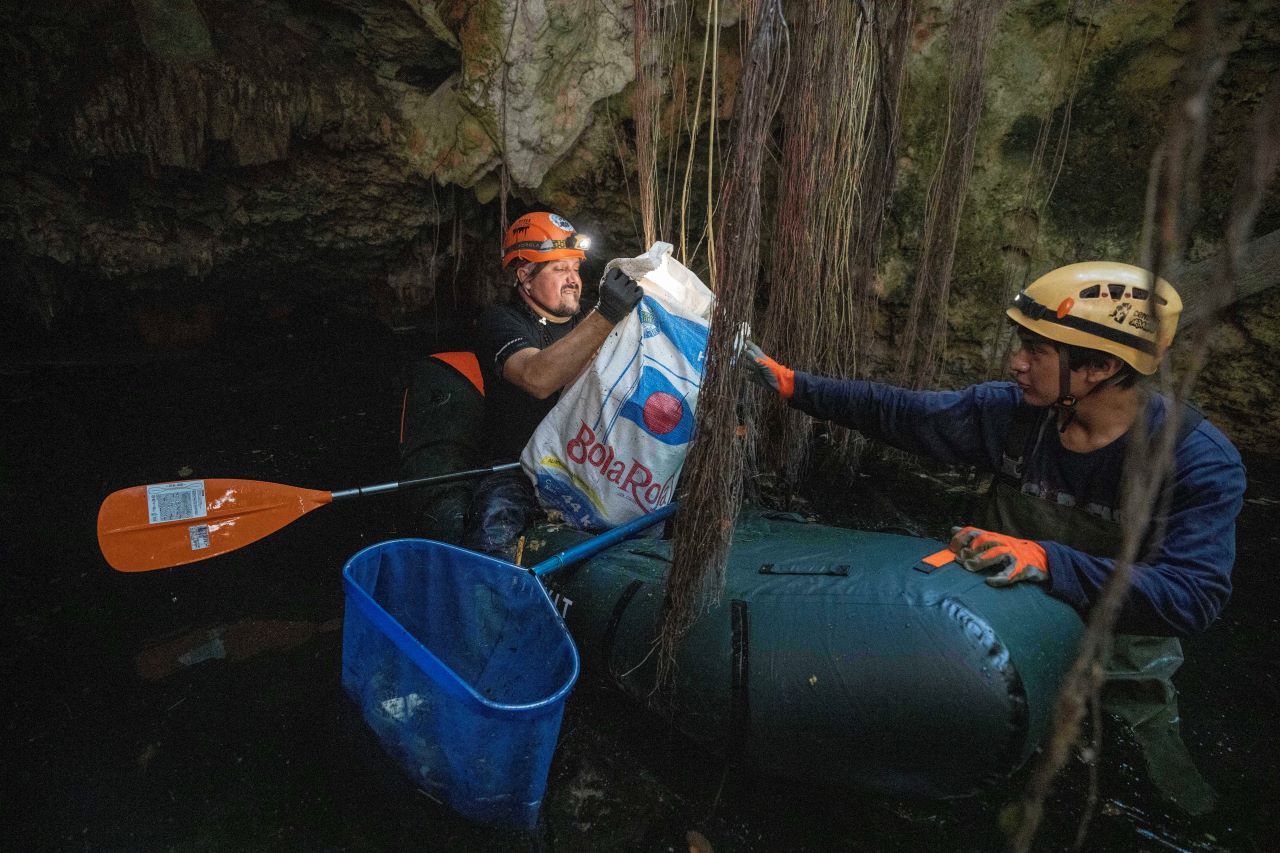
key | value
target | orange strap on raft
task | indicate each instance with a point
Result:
(941, 558)
(930, 564)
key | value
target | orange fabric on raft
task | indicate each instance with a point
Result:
(941, 558)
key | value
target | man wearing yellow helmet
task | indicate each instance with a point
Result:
(529, 349)
(1056, 439)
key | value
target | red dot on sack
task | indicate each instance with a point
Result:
(662, 412)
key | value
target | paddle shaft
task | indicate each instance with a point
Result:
(384, 488)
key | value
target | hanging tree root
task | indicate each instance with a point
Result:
(814, 296)
(712, 481)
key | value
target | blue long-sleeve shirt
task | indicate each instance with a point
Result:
(1180, 583)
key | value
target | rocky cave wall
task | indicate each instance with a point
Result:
(1118, 114)
(169, 165)
(161, 156)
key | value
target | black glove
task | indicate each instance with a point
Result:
(618, 295)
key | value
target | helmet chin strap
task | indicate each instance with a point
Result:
(1065, 405)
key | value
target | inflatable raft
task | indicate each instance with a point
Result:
(836, 656)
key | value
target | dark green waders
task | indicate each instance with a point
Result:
(440, 434)
(1139, 687)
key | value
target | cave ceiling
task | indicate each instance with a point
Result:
(172, 151)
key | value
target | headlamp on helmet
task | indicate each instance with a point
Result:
(539, 237)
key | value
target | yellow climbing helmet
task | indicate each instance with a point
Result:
(1103, 305)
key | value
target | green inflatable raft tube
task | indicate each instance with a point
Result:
(834, 657)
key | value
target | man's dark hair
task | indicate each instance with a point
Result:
(1078, 357)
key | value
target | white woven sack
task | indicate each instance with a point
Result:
(612, 447)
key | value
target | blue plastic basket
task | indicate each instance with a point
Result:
(461, 666)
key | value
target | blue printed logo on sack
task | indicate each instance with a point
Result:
(689, 337)
(658, 408)
(648, 325)
(555, 486)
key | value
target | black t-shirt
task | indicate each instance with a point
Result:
(511, 415)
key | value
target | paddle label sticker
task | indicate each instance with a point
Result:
(199, 536)
(175, 501)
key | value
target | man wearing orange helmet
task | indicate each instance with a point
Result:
(1056, 439)
(531, 348)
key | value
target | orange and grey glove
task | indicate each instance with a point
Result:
(1018, 559)
(766, 372)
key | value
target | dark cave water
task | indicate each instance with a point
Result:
(114, 743)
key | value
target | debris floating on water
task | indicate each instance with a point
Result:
(237, 642)
(698, 842)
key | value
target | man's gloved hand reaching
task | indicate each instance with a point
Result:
(618, 295)
(1020, 559)
(766, 372)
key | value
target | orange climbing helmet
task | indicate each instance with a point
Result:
(1117, 308)
(540, 236)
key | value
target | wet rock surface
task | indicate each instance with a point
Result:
(118, 743)
(203, 154)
